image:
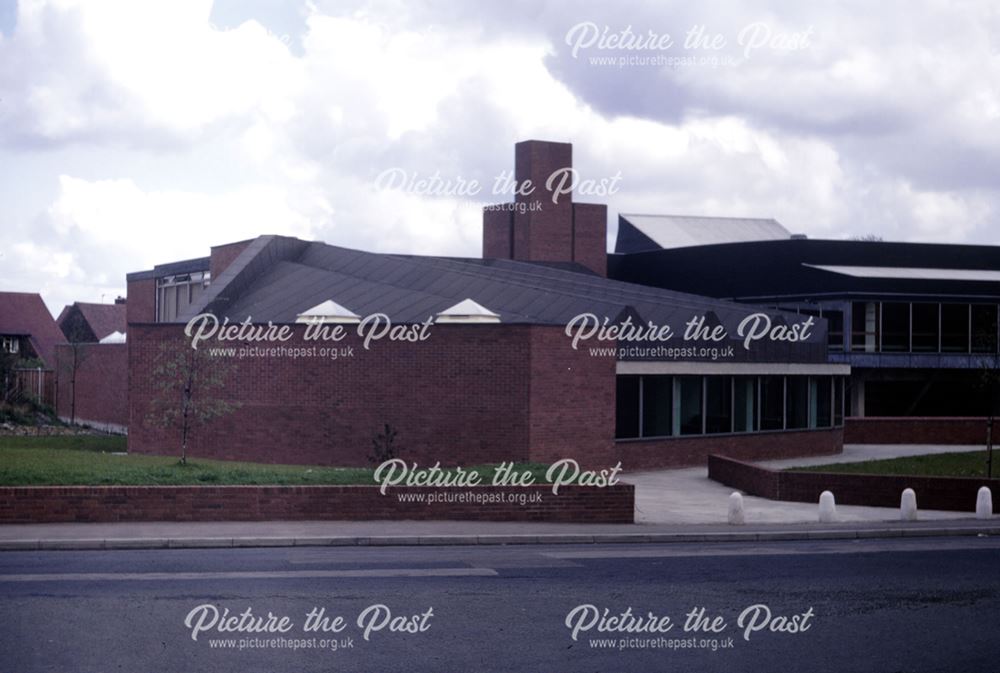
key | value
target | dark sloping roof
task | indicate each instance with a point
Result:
(103, 319)
(25, 314)
(277, 278)
(793, 269)
(409, 289)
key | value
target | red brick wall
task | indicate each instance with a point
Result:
(914, 430)
(141, 304)
(223, 256)
(101, 388)
(462, 396)
(544, 233)
(48, 504)
(689, 451)
(956, 494)
(497, 232)
(572, 402)
(590, 230)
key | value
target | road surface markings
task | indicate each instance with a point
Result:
(252, 575)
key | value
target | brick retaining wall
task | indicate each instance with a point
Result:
(50, 504)
(916, 430)
(957, 494)
(645, 454)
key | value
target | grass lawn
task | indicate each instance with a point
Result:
(967, 464)
(90, 460)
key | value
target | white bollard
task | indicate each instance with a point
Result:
(984, 503)
(737, 516)
(827, 507)
(908, 505)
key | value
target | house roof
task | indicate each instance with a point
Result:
(276, 278)
(638, 233)
(25, 314)
(103, 319)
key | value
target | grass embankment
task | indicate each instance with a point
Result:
(965, 464)
(92, 460)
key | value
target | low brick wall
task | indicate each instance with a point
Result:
(50, 504)
(957, 494)
(916, 430)
(646, 454)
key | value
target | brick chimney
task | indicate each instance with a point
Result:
(541, 226)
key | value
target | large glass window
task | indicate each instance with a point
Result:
(835, 329)
(955, 328)
(627, 407)
(175, 293)
(984, 328)
(838, 400)
(718, 404)
(657, 406)
(745, 404)
(864, 326)
(772, 403)
(926, 328)
(895, 327)
(689, 416)
(797, 404)
(820, 401)
(665, 406)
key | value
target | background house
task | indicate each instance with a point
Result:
(28, 337)
(83, 322)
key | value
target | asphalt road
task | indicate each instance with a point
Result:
(871, 605)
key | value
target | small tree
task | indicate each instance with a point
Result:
(77, 336)
(188, 383)
(384, 445)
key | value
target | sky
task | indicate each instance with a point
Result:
(134, 133)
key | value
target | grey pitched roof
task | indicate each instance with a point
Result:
(638, 233)
(280, 277)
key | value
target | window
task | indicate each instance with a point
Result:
(838, 401)
(926, 328)
(984, 328)
(820, 401)
(657, 406)
(797, 402)
(745, 404)
(864, 326)
(175, 293)
(955, 328)
(718, 404)
(627, 407)
(10, 344)
(895, 327)
(772, 403)
(835, 329)
(689, 416)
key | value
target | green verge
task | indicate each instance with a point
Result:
(965, 464)
(89, 460)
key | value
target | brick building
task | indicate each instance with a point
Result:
(484, 365)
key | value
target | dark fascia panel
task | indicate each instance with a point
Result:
(171, 269)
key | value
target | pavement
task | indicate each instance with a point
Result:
(688, 496)
(677, 506)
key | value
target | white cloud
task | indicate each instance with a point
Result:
(308, 129)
